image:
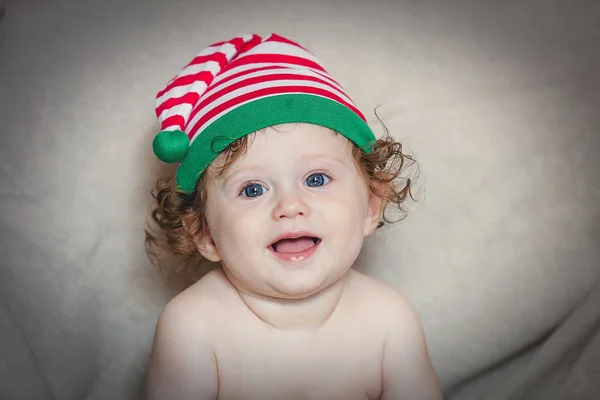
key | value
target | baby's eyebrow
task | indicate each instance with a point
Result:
(231, 174)
(312, 157)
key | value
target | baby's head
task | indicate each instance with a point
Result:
(236, 195)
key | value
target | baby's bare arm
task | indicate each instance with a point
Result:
(182, 364)
(407, 370)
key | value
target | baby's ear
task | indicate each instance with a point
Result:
(374, 211)
(204, 242)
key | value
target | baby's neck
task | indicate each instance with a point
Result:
(305, 314)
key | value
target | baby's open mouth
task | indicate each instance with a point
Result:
(295, 245)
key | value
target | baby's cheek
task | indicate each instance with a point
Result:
(347, 210)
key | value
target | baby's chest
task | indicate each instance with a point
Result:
(345, 369)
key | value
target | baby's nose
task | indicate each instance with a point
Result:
(291, 206)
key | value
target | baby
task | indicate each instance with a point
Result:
(280, 181)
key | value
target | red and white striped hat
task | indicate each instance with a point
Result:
(234, 88)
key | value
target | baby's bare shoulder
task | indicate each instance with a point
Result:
(198, 310)
(378, 299)
(184, 341)
(407, 369)
(204, 301)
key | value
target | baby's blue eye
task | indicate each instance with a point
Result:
(316, 180)
(253, 190)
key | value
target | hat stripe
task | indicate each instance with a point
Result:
(195, 65)
(198, 87)
(264, 71)
(225, 52)
(246, 71)
(199, 124)
(173, 122)
(212, 66)
(270, 47)
(273, 59)
(181, 110)
(188, 99)
(178, 92)
(265, 76)
(173, 105)
(270, 78)
(228, 49)
(266, 66)
(203, 75)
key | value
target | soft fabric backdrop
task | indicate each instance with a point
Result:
(498, 101)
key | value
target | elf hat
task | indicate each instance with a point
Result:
(234, 88)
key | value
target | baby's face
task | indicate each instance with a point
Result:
(300, 177)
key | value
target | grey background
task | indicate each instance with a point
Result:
(499, 101)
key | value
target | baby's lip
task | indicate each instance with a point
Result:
(295, 235)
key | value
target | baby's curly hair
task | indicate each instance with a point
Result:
(179, 217)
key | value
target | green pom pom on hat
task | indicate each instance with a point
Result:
(171, 146)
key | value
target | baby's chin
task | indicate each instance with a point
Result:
(283, 284)
(282, 290)
(299, 289)
(285, 292)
